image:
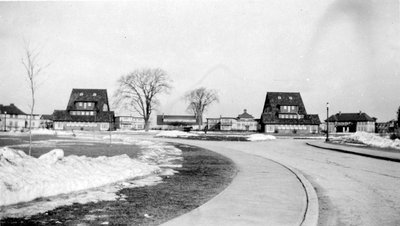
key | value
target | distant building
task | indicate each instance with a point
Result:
(129, 123)
(386, 127)
(243, 122)
(351, 123)
(12, 118)
(285, 113)
(87, 109)
(46, 121)
(168, 122)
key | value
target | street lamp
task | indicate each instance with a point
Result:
(327, 123)
(5, 121)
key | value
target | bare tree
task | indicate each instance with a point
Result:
(33, 69)
(199, 100)
(139, 89)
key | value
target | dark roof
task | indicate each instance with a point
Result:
(46, 117)
(99, 96)
(271, 110)
(276, 99)
(11, 110)
(351, 117)
(105, 116)
(245, 115)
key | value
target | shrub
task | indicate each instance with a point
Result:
(394, 136)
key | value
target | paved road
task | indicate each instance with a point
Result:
(352, 190)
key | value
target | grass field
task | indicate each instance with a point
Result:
(204, 174)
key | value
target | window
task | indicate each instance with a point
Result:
(284, 107)
(89, 104)
(80, 104)
(279, 97)
(94, 94)
(85, 105)
(91, 113)
(290, 98)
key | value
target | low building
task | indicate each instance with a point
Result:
(129, 123)
(170, 122)
(243, 122)
(285, 113)
(87, 109)
(351, 123)
(12, 118)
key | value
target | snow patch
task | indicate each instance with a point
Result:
(24, 178)
(260, 137)
(370, 139)
(175, 133)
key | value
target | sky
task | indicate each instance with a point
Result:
(345, 52)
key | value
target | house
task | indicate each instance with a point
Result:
(285, 113)
(129, 123)
(243, 122)
(169, 122)
(87, 109)
(351, 122)
(386, 127)
(12, 118)
(46, 121)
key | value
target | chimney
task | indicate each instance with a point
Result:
(245, 110)
(11, 104)
(340, 112)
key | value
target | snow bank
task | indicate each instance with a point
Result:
(260, 137)
(370, 139)
(24, 178)
(175, 133)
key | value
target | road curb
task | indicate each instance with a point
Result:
(311, 214)
(354, 153)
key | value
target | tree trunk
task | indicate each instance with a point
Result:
(146, 125)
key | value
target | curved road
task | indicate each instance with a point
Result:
(352, 190)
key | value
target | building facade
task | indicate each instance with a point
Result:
(129, 123)
(170, 122)
(12, 118)
(285, 113)
(351, 123)
(243, 122)
(87, 109)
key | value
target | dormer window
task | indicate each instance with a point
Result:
(94, 94)
(279, 97)
(80, 94)
(290, 98)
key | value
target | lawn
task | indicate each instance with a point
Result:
(203, 175)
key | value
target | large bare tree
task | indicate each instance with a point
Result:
(199, 100)
(33, 70)
(139, 89)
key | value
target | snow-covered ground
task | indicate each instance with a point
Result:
(24, 178)
(175, 133)
(260, 137)
(370, 139)
(78, 178)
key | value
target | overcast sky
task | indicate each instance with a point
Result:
(345, 52)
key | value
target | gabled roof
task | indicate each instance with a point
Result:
(276, 99)
(11, 110)
(351, 117)
(245, 115)
(105, 116)
(88, 95)
(46, 117)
